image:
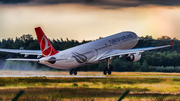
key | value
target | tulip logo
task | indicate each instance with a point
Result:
(80, 58)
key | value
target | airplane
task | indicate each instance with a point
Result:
(104, 49)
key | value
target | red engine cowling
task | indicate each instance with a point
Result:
(133, 57)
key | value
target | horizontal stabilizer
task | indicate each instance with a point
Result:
(29, 52)
(35, 60)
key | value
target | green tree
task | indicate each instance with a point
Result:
(144, 66)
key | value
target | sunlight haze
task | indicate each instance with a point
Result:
(79, 21)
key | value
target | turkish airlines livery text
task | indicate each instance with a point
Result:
(94, 52)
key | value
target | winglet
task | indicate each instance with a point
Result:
(172, 43)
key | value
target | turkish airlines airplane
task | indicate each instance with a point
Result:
(89, 53)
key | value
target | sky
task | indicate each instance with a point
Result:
(89, 19)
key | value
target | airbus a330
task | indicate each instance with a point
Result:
(94, 52)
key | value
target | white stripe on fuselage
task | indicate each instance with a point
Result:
(92, 51)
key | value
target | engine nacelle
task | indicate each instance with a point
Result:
(133, 57)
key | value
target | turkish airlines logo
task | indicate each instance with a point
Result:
(46, 47)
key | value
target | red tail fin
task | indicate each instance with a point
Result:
(46, 47)
(172, 43)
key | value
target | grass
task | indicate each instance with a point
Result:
(143, 84)
(136, 84)
(77, 93)
(56, 88)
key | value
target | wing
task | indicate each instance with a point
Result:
(26, 52)
(124, 52)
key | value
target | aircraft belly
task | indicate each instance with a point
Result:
(64, 64)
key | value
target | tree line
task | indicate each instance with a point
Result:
(161, 60)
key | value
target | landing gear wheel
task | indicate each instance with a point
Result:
(109, 67)
(109, 72)
(73, 71)
(105, 72)
(70, 72)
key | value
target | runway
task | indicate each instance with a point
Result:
(48, 74)
(85, 74)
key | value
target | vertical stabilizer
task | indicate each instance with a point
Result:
(46, 47)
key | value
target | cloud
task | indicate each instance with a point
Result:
(14, 1)
(116, 3)
(161, 2)
(88, 22)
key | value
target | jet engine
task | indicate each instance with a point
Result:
(133, 57)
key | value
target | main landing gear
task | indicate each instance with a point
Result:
(73, 71)
(109, 67)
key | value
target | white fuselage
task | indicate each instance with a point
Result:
(90, 53)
